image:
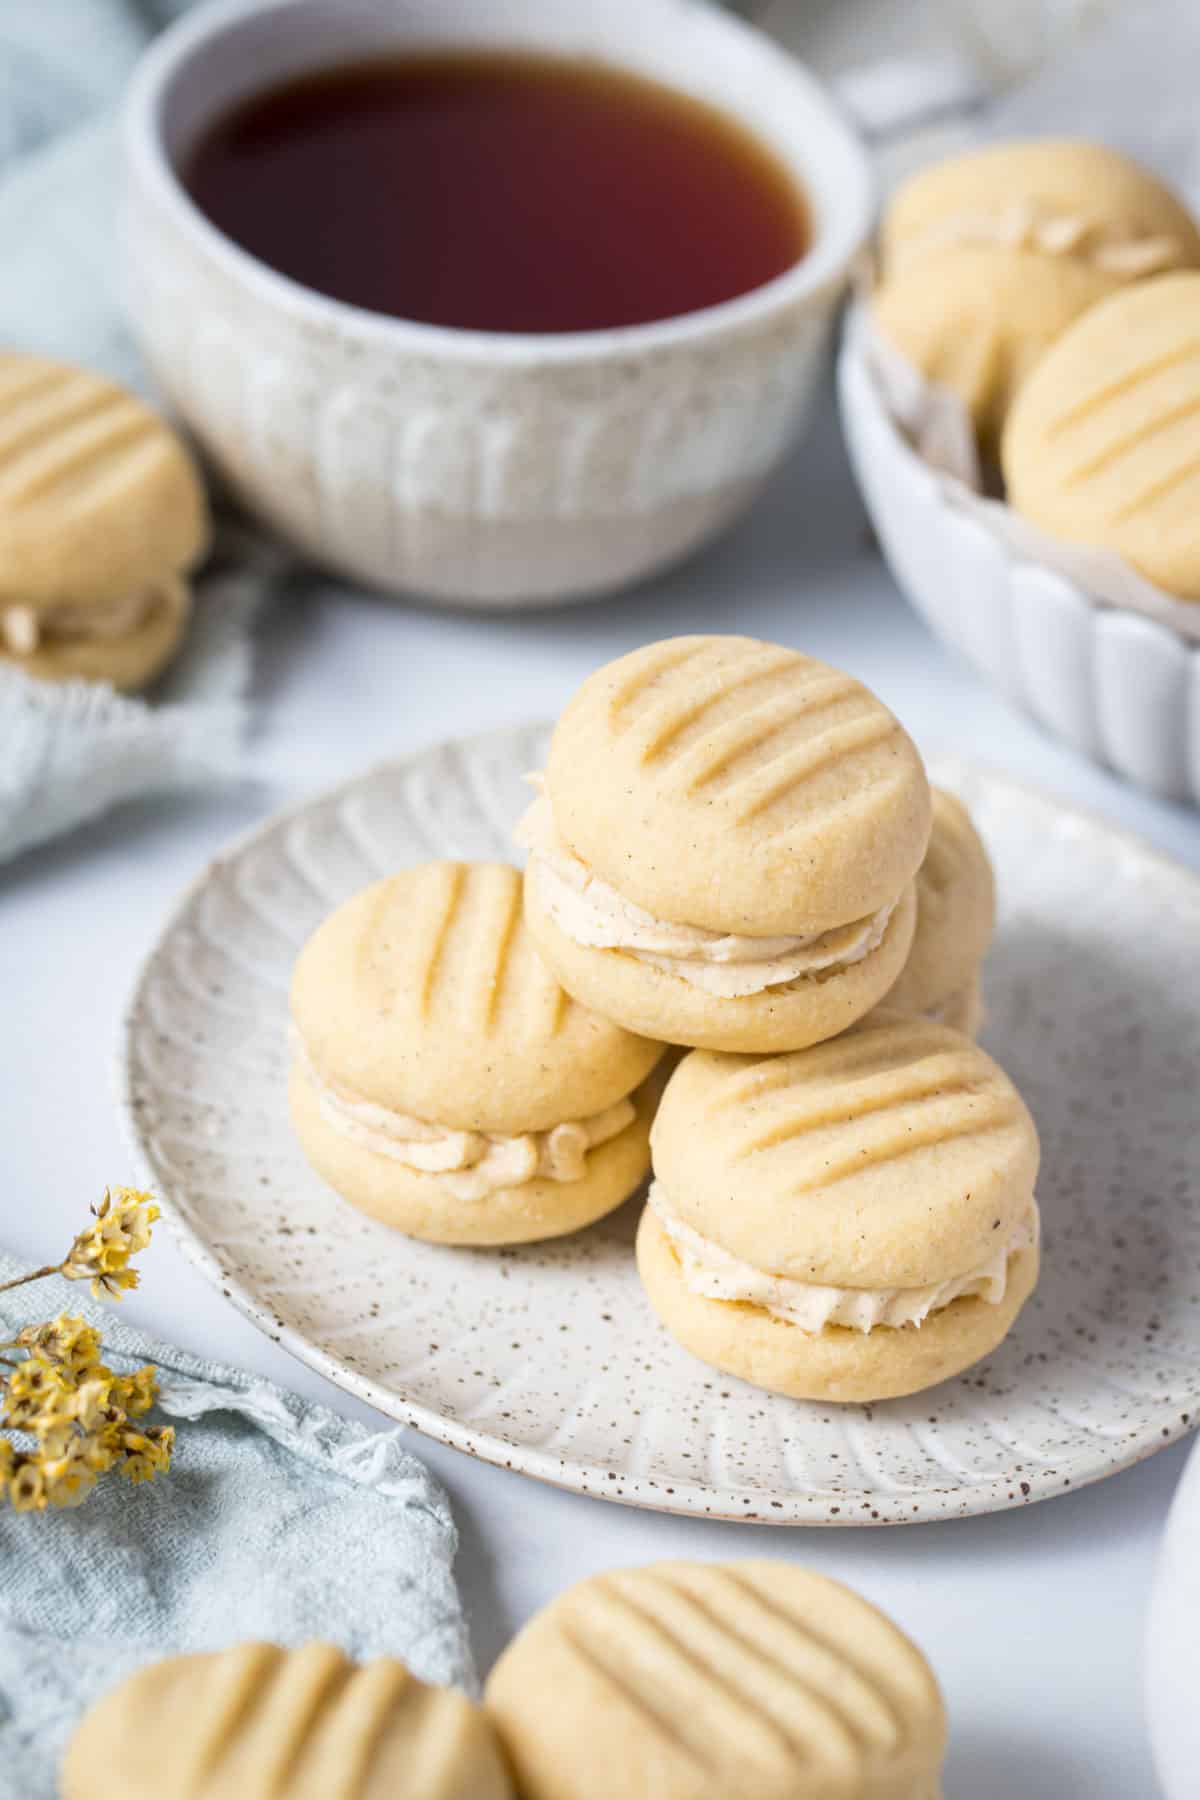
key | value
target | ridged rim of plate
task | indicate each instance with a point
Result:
(1022, 1484)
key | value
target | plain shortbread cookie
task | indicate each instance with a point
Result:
(701, 1681)
(259, 1723)
(1103, 447)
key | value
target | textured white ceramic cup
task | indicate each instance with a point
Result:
(479, 467)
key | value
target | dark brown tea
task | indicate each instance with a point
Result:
(500, 192)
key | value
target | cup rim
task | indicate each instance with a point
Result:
(826, 262)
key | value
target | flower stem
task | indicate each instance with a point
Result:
(34, 1275)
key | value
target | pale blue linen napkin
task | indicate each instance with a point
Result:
(278, 1520)
(69, 752)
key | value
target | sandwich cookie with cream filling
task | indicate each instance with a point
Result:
(988, 257)
(723, 849)
(956, 911)
(850, 1222)
(102, 515)
(444, 1082)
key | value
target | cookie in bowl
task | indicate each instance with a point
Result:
(255, 1721)
(102, 516)
(956, 912)
(987, 258)
(851, 1222)
(723, 849)
(442, 1080)
(1102, 448)
(701, 1681)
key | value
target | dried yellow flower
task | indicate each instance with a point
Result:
(135, 1394)
(92, 1405)
(78, 1412)
(67, 1340)
(101, 1254)
(68, 1476)
(102, 1449)
(33, 1389)
(147, 1453)
(27, 1487)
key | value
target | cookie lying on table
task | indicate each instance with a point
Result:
(851, 1222)
(260, 1723)
(102, 515)
(724, 848)
(703, 1681)
(445, 1083)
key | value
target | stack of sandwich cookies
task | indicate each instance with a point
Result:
(102, 515)
(444, 1082)
(259, 1723)
(987, 258)
(851, 1222)
(724, 847)
(956, 910)
(694, 1681)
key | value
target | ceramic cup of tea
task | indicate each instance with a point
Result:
(503, 303)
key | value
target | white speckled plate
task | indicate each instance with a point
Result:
(547, 1358)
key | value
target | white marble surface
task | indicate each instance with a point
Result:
(1033, 1619)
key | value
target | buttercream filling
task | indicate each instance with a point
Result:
(24, 628)
(471, 1164)
(1024, 226)
(714, 1273)
(594, 914)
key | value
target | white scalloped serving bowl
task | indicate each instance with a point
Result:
(546, 1358)
(1123, 689)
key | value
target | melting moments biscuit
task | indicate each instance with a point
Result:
(1103, 447)
(851, 1222)
(442, 1079)
(724, 848)
(701, 1681)
(987, 258)
(259, 1723)
(102, 514)
(956, 910)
